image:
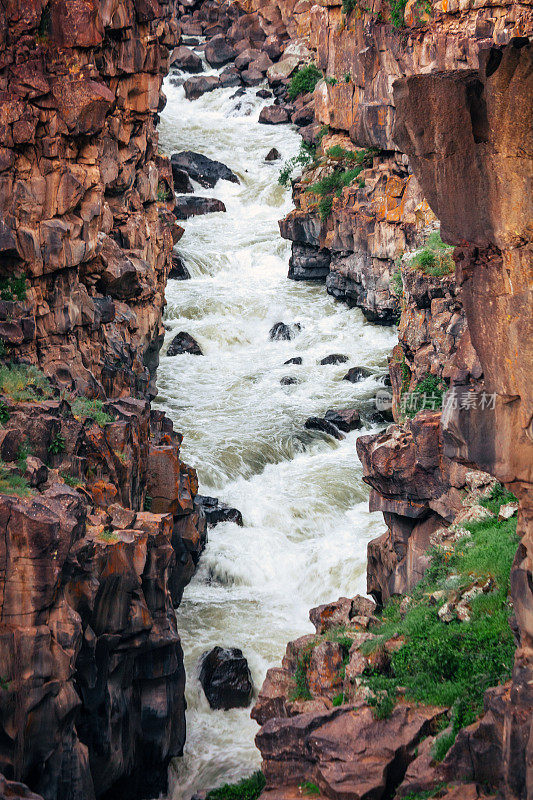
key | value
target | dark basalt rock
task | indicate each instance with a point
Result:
(252, 77)
(218, 51)
(229, 77)
(192, 206)
(281, 331)
(184, 343)
(321, 424)
(308, 263)
(288, 380)
(182, 182)
(273, 115)
(202, 169)
(226, 678)
(295, 360)
(216, 512)
(196, 87)
(356, 374)
(303, 116)
(178, 271)
(334, 358)
(273, 155)
(264, 94)
(186, 60)
(346, 419)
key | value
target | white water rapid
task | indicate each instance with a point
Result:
(306, 523)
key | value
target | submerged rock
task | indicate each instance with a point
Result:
(184, 58)
(178, 271)
(193, 206)
(288, 380)
(334, 358)
(324, 425)
(216, 512)
(295, 360)
(356, 374)
(184, 343)
(346, 419)
(272, 155)
(196, 87)
(206, 171)
(226, 678)
(273, 115)
(282, 331)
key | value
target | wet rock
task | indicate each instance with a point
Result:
(216, 512)
(273, 115)
(295, 360)
(218, 51)
(186, 60)
(282, 331)
(245, 58)
(334, 358)
(226, 678)
(264, 94)
(184, 343)
(321, 424)
(182, 182)
(341, 613)
(273, 155)
(252, 77)
(282, 70)
(206, 171)
(346, 419)
(229, 77)
(239, 93)
(288, 380)
(196, 87)
(308, 263)
(178, 271)
(356, 374)
(193, 206)
(13, 790)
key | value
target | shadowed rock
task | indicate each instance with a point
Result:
(323, 425)
(356, 374)
(184, 343)
(178, 271)
(196, 87)
(216, 512)
(346, 419)
(281, 331)
(193, 206)
(334, 358)
(226, 678)
(206, 171)
(272, 155)
(186, 60)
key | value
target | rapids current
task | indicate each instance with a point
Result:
(304, 505)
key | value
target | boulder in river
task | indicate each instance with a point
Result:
(273, 155)
(196, 87)
(251, 77)
(206, 171)
(229, 77)
(218, 51)
(216, 512)
(193, 206)
(282, 331)
(184, 343)
(184, 58)
(263, 94)
(226, 678)
(346, 419)
(334, 358)
(321, 424)
(294, 360)
(182, 182)
(288, 380)
(273, 115)
(178, 270)
(356, 374)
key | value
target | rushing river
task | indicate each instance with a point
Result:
(306, 523)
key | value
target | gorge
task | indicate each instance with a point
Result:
(416, 119)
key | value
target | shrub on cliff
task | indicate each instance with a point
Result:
(24, 383)
(83, 409)
(436, 257)
(247, 789)
(304, 81)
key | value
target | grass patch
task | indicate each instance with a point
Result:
(57, 445)
(396, 283)
(338, 700)
(24, 383)
(436, 257)
(309, 788)
(453, 664)
(70, 480)
(13, 288)
(108, 535)
(83, 409)
(11, 483)
(304, 81)
(426, 794)
(331, 185)
(427, 394)
(247, 789)
(304, 157)
(301, 689)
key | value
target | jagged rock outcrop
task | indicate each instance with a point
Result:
(99, 531)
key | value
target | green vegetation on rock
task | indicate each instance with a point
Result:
(24, 383)
(83, 408)
(304, 157)
(247, 789)
(304, 81)
(13, 288)
(11, 483)
(436, 257)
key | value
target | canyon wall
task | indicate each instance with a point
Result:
(99, 530)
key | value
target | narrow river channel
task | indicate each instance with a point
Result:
(306, 523)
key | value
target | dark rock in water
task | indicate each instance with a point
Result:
(202, 169)
(184, 343)
(263, 94)
(334, 358)
(303, 116)
(216, 512)
(226, 678)
(273, 155)
(386, 380)
(382, 417)
(196, 87)
(273, 115)
(295, 360)
(230, 77)
(356, 374)
(238, 93)
(308, 263)
(288, 380)
(192, 206)
(178, 270)
(321, 424)
(182, 182)
(345, 419)
(218, 51)
(190, 41)
(281, 331)
(186, 60)
(252, 77)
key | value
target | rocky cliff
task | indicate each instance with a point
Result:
(99, 531)
(433, 101)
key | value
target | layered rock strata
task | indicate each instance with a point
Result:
(99, 527)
